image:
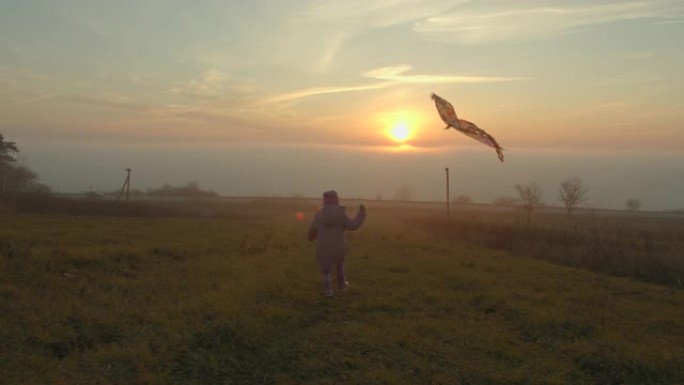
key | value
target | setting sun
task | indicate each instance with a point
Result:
(400, 132)
(400, 126)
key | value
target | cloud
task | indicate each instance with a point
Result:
(112, 100)
(391, 76)
(478, 27)
(397, 74)
(669, 22)
(211, 84)
(673, 17)
(331, 47)
(378, 13)
(299, 94)
(345, 20)
(47, 89)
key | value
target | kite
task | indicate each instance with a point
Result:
(448, 114)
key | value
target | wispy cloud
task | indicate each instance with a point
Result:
(212, 83)
(330, 48)
(45, 87)
(398, 74)
(633, 79)
(670, 21)
(378, 13)
(390, 76)
(476, 27)
(112, 100)
(341, 21)
(674, 17)
(299, 94)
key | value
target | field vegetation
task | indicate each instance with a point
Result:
(227, 292)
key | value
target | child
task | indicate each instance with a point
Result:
(327, 229)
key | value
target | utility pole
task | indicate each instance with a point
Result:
(126, 185)
(447, 191)
(128, 182)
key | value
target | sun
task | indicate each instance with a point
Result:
(400, 126)
(400, 132)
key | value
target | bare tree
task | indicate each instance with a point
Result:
(633, 204)
(572, 192)
(530, 197)
(403, 193)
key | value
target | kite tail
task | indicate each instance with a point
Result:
(500, 153)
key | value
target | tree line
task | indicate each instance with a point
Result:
(572, 192)
(190, 190)
(16, 179)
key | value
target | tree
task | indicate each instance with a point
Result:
(403, 193)
(571, 193)
(7, 151)
(633, 204)
(15, 179)
(530, 197)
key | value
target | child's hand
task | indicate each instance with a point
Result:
(362, 207)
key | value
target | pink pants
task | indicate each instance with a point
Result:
(327, 278)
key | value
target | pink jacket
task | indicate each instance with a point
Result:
(328, 228)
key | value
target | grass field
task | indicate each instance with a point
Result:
(236, 299)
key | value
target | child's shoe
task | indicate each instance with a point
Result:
(344, 286)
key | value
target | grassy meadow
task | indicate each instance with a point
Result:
(236, 298)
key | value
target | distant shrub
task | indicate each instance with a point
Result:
(191, 189)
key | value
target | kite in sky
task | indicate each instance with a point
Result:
(448, 115)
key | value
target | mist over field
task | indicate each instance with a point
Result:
(611, 177)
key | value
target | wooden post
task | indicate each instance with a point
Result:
(128, 182)
(447, 192)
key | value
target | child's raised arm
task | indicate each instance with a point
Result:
(354, 224)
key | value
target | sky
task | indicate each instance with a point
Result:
(283, 98)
